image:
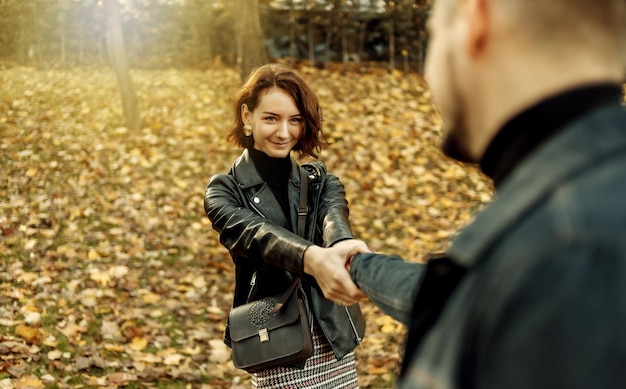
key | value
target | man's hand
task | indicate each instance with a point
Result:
(328, 266)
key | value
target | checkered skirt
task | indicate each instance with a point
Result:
(322, 370)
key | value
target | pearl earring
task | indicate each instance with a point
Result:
(247, 129)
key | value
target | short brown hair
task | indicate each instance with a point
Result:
(275, 75)
(595, 23)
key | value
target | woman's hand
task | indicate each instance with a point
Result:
(329, 267)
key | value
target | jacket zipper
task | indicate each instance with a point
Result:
(356, 333)
(252, 284)
(253, 279)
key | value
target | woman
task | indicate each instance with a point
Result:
(254, 208)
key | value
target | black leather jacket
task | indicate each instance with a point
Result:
(266, 251)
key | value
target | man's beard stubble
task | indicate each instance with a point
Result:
(455, 132)
(453, 148)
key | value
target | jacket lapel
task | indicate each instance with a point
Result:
(544, 171)
(259, 196)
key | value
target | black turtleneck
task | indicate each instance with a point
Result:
(276, 172)
(526, 131)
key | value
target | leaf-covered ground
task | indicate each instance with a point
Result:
(110, 273)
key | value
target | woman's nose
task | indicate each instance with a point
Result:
(283, 129)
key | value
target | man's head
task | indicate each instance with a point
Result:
(490, 59)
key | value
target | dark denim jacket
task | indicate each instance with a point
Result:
(542, 302)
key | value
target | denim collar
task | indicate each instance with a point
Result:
(586, 140)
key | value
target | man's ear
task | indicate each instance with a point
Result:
(478, 23)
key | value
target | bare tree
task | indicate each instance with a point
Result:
(251, 50)
(392, 37)
(119, 61)
(313, 18)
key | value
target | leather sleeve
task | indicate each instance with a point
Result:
(333, 211)
(245, 233)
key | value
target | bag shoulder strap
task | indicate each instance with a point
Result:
(303, 210)
(297, 283)
(303, 207)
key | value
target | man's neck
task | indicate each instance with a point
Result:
(523, 82)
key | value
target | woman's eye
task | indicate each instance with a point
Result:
(296, 120)
(270, 118)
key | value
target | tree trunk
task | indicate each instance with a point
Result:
(311, 41)
(192, 10)
(292, 31)
(81, 41)
(327, 46)
(405, 60)
(35, 51)
(251, 50)
(119, 61)
(22, 49)
(362, 32)
(62, 28)
(392, 45)
(344, 43)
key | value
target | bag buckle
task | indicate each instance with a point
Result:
(264, 336)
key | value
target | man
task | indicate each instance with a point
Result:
(532, 294)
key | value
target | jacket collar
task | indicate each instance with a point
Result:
(583, 142)
(260, 196)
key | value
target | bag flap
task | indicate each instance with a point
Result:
(246, 320)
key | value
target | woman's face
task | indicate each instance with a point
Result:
(276, 123)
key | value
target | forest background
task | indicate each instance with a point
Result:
(110, 273)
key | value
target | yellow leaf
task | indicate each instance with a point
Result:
(30, 244)
(139, 343)
(150, 298)
(27, 277)
(173, 360)
(388, 328)
(114, 347)
(31, 172)
(29, 382)
(377, 370)
(92, 255)
(29, 334)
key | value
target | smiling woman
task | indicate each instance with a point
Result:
(255, 209)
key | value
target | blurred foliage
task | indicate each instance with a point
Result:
(200, 33)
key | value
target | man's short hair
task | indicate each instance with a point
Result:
(596, 23)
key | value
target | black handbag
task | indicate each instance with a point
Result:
(271, 332)
(274, 331)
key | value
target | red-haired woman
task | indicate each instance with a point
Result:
(254, 208)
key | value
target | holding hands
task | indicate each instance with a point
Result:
(329, 267)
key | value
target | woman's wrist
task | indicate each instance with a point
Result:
(310, 258)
